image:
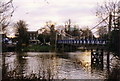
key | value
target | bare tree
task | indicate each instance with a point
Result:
(86, 33)
(21, 30)
(108, 7)
(102, 31)
(51, 26)
(68, 26)
(6, 11)
(111, 9)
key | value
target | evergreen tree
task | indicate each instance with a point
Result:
(23, 38)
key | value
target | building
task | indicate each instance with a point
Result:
(45, 30)
(2, 37)
(33, 37)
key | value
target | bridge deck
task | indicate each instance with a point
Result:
(85, 42)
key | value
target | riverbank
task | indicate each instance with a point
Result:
(37, 48)
(46, 48)
(40, 48)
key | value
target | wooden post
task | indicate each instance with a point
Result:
(119, 32)
(62, 45)
(109, 30)
(92, 58)
(3, 66)
(110, 22)
(102, 65)
(119, 40)
(56, 42)
(1, 43)
(108, 62)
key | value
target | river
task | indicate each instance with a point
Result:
(44, 65)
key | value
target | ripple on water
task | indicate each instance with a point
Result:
(69, 66)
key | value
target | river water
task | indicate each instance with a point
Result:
(70, 65)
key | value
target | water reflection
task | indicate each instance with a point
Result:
(73, 65)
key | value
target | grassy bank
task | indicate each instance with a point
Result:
(37, 48)
(46, 48)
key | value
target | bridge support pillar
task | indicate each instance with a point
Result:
(97, 59)
(108, 62)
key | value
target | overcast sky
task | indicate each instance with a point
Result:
(37, 12)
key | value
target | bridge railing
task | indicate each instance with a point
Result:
(98, 42)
